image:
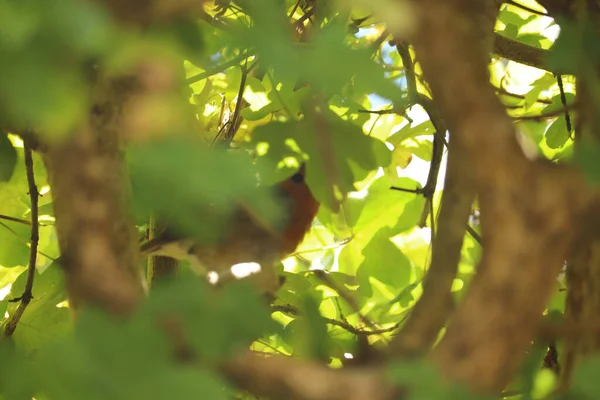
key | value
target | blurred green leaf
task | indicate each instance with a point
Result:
(122, 360)
(575, 47)
(215, 323)
(196, 188)
(421, 380)
(42, 322)
(557, 134)
(8, 158)
(587, 157)
(509, 17)
(271, 37)
(411, 132)
(308, 332)
(384, 262)
(584, 383)
(17, 376)
(557, 102)
(354, 156)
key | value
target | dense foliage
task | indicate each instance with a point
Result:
(331, 84)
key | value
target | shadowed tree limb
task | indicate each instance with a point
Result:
(88, 176)
(433, 308)
(583, 266)
(529, 209)
(286, 378)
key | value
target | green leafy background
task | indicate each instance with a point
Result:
(364, 258)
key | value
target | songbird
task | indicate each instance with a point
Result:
(249, 241)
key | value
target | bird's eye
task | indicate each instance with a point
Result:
(297, 177)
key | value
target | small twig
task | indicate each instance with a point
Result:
(414, 191)
(378, 112)
(325, 278)
(306, 15)
(439, 140)
(563, 100)
(528, 9)
(520, 96)
(28, 291)
(378, 42)
(236, 119)
(217, 23)
(475, 235)
(550, 115)
(294, 9)
(13, 219)
(287, 308)
(333, 246)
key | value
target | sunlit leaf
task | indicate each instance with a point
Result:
(557, 134)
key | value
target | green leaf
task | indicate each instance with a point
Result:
(533, 129)
(384, 261)
(187, 31)
(421, 380)
(557, 103)
(511, 31)
(585, 378)
(17, 376)
(510, 18)
(411, 132)
(270, 36)
(354, 156)
(382, 208)
(196, 188)
(542, 84)
(14, 250)
(42, 322)
(308, 332)
(8, 158)
(532, 39)
(236, 314)
(587, 157)
(557, 134)
(422, 148)
(575, 47)
(122, 360)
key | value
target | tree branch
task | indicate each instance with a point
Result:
(88, 177)
(435, 305)
(28, 291)
(528, 208)
(286, 378)
(520, 52)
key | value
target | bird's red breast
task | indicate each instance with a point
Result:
(248, 240)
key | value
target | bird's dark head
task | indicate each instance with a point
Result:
(298, 177)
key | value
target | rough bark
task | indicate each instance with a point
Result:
(529, 208)
(89, 181)
(287, 378)
(582, 305)
(583, 266)
(435, 305)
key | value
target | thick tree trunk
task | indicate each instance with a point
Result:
(90, 189)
